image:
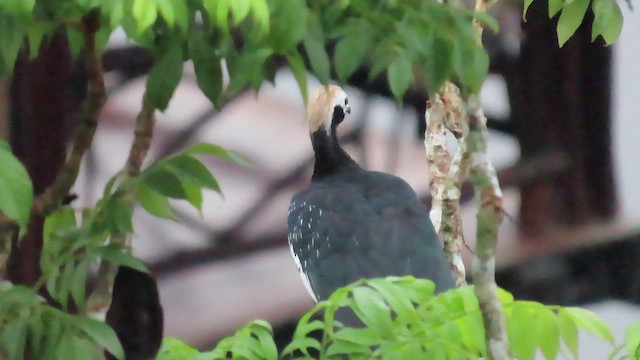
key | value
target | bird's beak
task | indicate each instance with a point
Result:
(347, 109)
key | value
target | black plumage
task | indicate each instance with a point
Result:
(352, 223)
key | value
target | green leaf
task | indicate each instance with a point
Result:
(219, 151)
(520, 327)
(439, 67)
(165, 75)
(548, 332)
(555, 6)
(193, 194)
(181, 11)
(16, 189)
(261, 13)
(35, 34)
(188, 168)
(75, 39)
(117, 254)
(568, 331)
(115, 11)
(527, 3)
(302, 344)
(590, 322)
(607, 20)
(240, 9)
(66, 347)
(153, 202)
(78, 284)
(314, 46)
(350, 53)
(400, 76)
(99, 332)
(212, 8)
(164, 182)
(348, 348)
(118, 215)
(264, 332)
(472, 331)
(206, 63)
(13, 339)
(299, 72)
(394, 296)
(487, 20)
(632, 340)
(172, 349)
(12, 40)
(145, 12)
(570, 19)
(26, 6)
(289, 25)
(372, 309)
(246, 68)
(363, 336)
(63, 218)
(166, 10)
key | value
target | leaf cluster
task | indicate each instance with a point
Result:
(402, 318)
(28, 326)
(412, 43)
(253, 341)
(76, 241)
(607, 21)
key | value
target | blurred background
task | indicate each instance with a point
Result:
(564, 137)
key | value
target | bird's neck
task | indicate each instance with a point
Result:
(330, 157)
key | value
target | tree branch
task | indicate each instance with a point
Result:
(445, 173)
(489, 218)
(100, 299)
(54, 195)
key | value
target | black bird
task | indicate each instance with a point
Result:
(352, 223)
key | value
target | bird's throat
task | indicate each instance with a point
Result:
(330, 158)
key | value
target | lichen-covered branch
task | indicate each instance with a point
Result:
(445, 173)
(53, 196)
(489, 217)
(100, 299)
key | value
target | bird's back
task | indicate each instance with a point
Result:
(363, 224)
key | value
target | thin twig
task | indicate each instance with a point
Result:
(489, 217)
(100, 299)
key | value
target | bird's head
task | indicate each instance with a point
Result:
(327, 108)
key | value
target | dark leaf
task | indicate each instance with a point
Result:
(165, 75)
(314, 46)
(164, 182)
(400, 75)
(206, 63)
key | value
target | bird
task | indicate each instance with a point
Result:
(352, 223)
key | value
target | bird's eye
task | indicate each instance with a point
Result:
(346, 101)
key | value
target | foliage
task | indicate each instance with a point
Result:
(404, 319)
(74, 243)
(29, 326)
(253, 341)
(607, 20)
(16, 190)
(412, 40)
(420, 43)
